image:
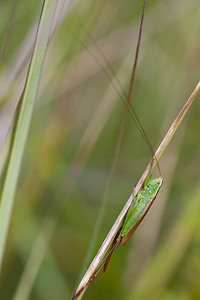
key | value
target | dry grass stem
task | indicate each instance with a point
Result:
(90, 273)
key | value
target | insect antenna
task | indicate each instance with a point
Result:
(124, 97)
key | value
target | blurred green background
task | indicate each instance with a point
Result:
(72, 141)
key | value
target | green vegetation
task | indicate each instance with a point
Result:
(71, 143)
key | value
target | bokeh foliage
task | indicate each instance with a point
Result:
(72, 140)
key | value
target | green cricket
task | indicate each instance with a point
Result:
(137, 211)
(146, 194)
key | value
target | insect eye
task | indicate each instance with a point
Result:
(158, 182)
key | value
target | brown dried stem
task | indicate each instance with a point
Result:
(91, 272)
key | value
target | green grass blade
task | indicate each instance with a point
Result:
(23, 120)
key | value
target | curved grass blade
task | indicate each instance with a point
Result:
(22, 121)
